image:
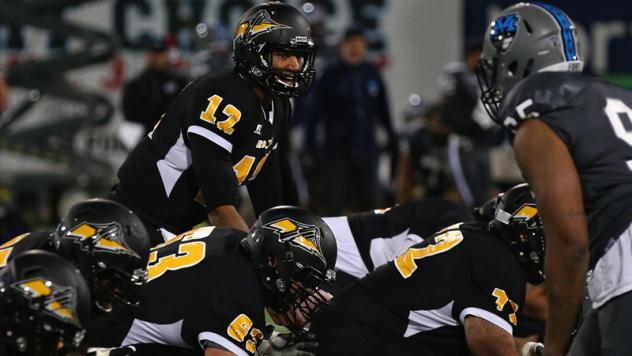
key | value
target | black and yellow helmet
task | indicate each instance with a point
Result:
(517, 221)
(294, 253)
(44, 304)
(110, 245)
(274, 26)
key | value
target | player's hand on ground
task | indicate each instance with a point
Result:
(289, 345)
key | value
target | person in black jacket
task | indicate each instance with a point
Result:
(350, 101)
(147, 96)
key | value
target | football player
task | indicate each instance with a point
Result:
(572, 141)
(110, 246)
(456, 293)
(222, 131)
(208, 288)
(44, 305)
(369, 239)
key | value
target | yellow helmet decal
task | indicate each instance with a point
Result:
(105, 236)
(83, 231)
(58, 301)
(304, 236)
(257, 24)
(526, 212)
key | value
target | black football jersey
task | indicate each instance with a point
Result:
(25, 242)
(167, 179)
(201, 289)
(383, 234)
(424, 295)
(594, 119)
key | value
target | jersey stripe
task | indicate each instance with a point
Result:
(221, 341)
(212, 136)
(349, 259)
(176, 161)
(491, 317)
(144, 332)
(424, 320)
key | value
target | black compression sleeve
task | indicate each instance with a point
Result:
(265, 190)
(214, 172)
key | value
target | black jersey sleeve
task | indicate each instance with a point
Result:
(422, 218)
(214, 172)
(546, 97)
(495, 290)
(236, 323)
(266, 191)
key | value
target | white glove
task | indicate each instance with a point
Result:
(289, 345)
(532, 349)
(116, 351)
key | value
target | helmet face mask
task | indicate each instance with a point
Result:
(113, 292)
(294, 253)
(517, 221)
(275, 28)
(523, 39)
(110, 245)
(288, 82)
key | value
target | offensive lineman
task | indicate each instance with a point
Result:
(458, 292)
(369, 239)
(224, 278)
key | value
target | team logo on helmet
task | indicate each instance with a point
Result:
(503, 30)
(525, 213)
(105, 237)
(304, 236)
(256, 25)
(57, 301)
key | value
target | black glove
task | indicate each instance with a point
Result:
(289, 345)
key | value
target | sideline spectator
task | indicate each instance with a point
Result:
(147, 96)
(350, 101)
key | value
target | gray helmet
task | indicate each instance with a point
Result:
(523, 39)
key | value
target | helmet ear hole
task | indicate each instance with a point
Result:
(527, 27)
(527, 69)
(512, 68)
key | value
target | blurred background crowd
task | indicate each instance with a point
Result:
(393, 116)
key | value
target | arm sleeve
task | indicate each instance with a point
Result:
(266, 190)
(235, 323)
(218, 117)
(214, 172)
(496, 289)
